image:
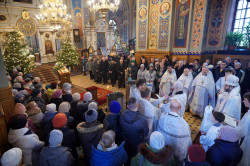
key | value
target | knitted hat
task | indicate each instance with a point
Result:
(55, 138)
(93, 106)
(64, 107)
(87, 96)
(19, 98)
(232, 80)
(91, 116)
(19, 108)
(66, 86)
(228, 133)
(12, 157)
(35, 92)
(56, 94)
(18, 123)
(151, 65)
(196, 153)
(14, 91)
(51, 107)
(17, 85)
(38, 86)
(142, 65)
(59, 121)
(220, 117)
(157, 140)
(115, 107)
(76, 96)
(24, 92)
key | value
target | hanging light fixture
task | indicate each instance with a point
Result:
(103, 6)
(54, 13)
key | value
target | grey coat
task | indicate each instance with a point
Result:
(90, 65)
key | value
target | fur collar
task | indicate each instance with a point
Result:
(84, 127)
(162, 157)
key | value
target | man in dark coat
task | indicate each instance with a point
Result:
(134, 128)
(121, 74)
(179, 69)
(220, 71)
(98, 72)
(112, 71)
(104, 69)
(226, 150)
(133, 71)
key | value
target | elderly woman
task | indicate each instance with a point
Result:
(141, 72)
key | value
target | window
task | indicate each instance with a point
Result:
(242, 16)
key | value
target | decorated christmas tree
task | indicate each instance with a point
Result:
(68, 55)
(16, 54)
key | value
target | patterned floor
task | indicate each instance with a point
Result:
(85, 82)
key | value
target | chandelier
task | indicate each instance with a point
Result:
(103, 6)
(54, 13)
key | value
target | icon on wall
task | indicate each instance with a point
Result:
(143, 13)
(165, 8)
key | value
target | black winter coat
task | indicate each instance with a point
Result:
(218, 74)
(134, 130)
(224, 153)
(89, 134)
(121, 68)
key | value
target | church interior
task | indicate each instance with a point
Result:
(151, 76)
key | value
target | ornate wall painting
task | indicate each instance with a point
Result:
(163, 33)
(142, 24)
(181, 23)
(153, 23)
(78, 20)
(165, 8)
(216, 23)
(197, 23)
(143, 13)
(142, 35)
(101, 41)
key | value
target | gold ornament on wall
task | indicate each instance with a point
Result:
(26, 25)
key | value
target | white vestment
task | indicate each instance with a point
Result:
(177, 134)
(202, 94)
(151, 113)
(220, 84)
(187, 82)
(134, 92)
(167, 82)
(230, 104)
(208, 140)
(244, 129)
(206, 121)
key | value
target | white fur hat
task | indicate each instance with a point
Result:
(232, 80)
(157, 140)
(76, 96)
(64, 107)
(51, 107)
(87, 96)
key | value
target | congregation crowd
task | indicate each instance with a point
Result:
(49, 124)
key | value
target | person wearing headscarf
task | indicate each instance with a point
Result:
(226, 149)
(55, 154)
(154, 153)
(107, 152)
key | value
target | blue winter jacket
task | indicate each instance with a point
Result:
(115, 157)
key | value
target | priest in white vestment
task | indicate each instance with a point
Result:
(149, 111)
(187, 79)
(244, 129)
(167, 81)
(207, 138)
(207, 119)
(202, 92)
(230, 103)
(176, 132)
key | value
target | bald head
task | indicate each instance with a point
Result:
(175, 106)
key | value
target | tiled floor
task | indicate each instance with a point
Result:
(85, 82)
